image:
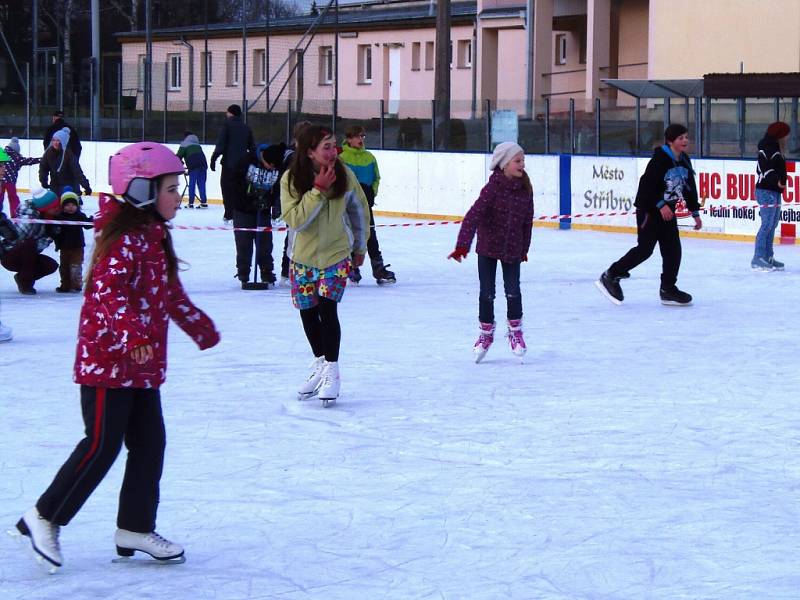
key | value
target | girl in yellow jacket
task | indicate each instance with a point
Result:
(328, 218)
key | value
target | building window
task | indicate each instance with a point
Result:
(259, 66)
(429, 57)
(325, 65)
(232, 68)
(365, 64)
(561, 49)
(206, 70)
(174, 62)
(582, 48)
(415, 52)
(464, 54)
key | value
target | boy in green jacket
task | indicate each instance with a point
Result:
(362, 162)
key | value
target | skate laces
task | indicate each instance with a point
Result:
(51, 532)
(316, 369)
(328, 377)
(516, 339)
(158, 540)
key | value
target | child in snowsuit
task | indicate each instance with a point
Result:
(132, 293)
(503, 216)
(191, 152)
(8, 183)
(70, 243)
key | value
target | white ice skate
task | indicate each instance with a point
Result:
(515, 339)
(311, 384)
(151, 543)
(329, 387)
(484, 342)
(44, 537)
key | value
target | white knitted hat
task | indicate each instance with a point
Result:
(503, 153)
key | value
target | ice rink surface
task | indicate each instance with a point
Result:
(640, 452)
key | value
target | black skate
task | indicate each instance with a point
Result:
(385, 277)
(675, 297)
(610, 288)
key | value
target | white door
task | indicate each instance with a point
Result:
(394, 80)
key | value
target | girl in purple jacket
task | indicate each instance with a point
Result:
(503, 216)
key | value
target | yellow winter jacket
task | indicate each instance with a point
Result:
(324, 231)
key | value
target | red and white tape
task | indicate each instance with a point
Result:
(415, 224)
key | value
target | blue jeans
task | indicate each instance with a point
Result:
(769, 221)
(487, 273)
(197, 177)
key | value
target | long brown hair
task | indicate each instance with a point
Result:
(131, 219)
(301, 171)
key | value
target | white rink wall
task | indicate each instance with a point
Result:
(446, 184)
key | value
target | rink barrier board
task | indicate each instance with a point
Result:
(423, 185)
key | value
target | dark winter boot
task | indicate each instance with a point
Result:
(609, 286)
(24, 287)
(675, 297)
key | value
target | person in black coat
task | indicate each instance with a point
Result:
(256, 194)
(70, 243)
(235, 141)
(771, 172)
(668, 184)
(58, 124)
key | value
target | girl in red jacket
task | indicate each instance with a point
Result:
(132, 292)
(503, 216)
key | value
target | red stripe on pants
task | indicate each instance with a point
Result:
(99, 407)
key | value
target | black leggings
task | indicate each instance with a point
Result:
(321, 324)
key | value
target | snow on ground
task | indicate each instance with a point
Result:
(640, 452)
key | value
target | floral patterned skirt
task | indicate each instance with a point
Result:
(311, 283)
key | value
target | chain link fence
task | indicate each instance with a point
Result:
(718, 128)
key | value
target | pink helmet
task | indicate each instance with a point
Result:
(133, 170)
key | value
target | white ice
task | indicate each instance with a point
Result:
(640, 452)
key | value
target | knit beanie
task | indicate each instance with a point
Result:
(778, 130)
(235, 110)
(274, 154)
(44, 200)
(62, 135)
(69, 196)
(503, 154)
(14, 144)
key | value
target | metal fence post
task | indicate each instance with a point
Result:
(433, 125)
(698, 125)
(742, 118)
(333, 116)
(487, 118)
(572, 125)
(638, 125)
(547, 125)
(777, 109)
(28, 100)
(164, 112)
(382, 130)
(597, 126)
(667, 112)
(707, 124)
(288, 121)
(119, 102)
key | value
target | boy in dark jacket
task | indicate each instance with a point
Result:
(668, 182)
(771, 172)
(235, 141)
(70, 243)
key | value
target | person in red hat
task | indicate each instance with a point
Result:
(771, 171)
(25, 257)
